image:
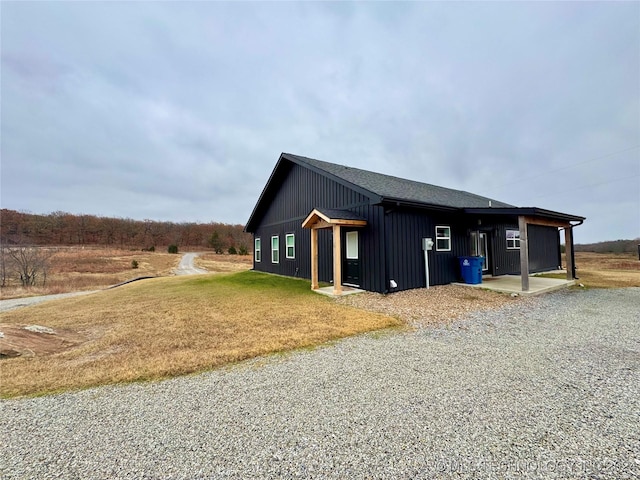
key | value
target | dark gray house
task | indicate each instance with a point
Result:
(333, 223)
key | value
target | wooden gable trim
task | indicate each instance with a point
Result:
(317, 219)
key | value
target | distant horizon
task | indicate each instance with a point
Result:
(243, 224)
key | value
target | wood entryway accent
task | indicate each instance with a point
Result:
(334, 219)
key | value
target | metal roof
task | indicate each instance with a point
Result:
(381, 188)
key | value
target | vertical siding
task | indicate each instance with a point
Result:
(405, 231)
(391, 243)
(301, 190)
(544, 244)
(544, 251)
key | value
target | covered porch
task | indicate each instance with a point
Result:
(534, 216)
(335, 220)
(513, 284)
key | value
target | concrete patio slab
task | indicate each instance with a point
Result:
(328, 291)
(513, 284)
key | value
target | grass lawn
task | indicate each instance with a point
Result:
(172, 326)
(607, 270)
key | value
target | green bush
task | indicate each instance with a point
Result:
(232, 250)
(173, 249)
(243, 250)
(134, 264)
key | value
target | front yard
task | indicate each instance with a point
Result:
(172, 326)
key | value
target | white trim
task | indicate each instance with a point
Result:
(515, 239)
(287, 246)
(257, 250)
(351, 248)
(447, 238)
(275, 258)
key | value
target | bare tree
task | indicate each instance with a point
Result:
(29, 263)
(3, 266)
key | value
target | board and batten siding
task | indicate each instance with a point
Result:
(544, 253)
(405, 230)
(300, 191)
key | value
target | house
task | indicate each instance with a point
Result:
(333, 223)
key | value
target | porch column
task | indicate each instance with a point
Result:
(337, 261)
(524, 253)
(568, 251)
(314, 259)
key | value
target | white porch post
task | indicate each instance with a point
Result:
(524, 253)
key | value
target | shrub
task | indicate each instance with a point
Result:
(134, 264)
(173, 249)
(242, 250)
(215, 242)
(232, 250)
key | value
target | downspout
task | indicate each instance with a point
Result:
(573, 252)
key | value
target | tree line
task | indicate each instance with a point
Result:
(613, 246)
(62, 228)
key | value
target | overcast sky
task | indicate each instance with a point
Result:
(179, 111)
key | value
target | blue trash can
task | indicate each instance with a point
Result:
(471, 269)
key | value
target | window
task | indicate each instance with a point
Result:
(352, 245)
(257, 251)
(443, 239)
(275, 249)
(291, 245)
(513, 239)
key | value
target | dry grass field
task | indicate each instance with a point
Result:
(599, 270)
(74, 269)
(172, 326)
(216, 263)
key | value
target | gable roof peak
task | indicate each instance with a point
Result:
(388, 187)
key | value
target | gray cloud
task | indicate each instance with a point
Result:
(179, 111)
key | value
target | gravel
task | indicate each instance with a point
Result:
(13, 303)
(549, 388)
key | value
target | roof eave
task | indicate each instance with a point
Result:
(527, 211)
(416, 204)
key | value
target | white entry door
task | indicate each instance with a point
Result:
(483, 250)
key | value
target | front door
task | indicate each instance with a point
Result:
(483, 249)
(351, 264)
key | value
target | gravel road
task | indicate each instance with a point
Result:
(13, 303)
(186, 266)
(549, 388)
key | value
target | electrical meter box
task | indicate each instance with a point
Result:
(427, 244)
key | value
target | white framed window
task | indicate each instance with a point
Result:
(290, 241)
(443, 239)
(513, 239)
(275, 249)
(352, 245)
(256, 250)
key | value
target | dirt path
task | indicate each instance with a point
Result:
(186, 266)
(13, 303)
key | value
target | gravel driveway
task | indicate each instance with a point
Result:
(545, 389)
(187, 267)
